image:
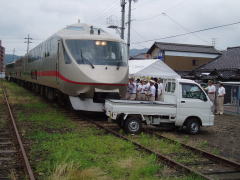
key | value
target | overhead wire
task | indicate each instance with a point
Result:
(140, 37)
(184, 28)
(192, 32)
(107, 10)
(157, 15)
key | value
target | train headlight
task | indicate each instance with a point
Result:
(98, 43)
(103, 43)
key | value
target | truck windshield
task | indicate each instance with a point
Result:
(98, 52)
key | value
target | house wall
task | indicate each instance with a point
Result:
(185, 63)
(155, 52)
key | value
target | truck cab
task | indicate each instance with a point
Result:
(185, 104)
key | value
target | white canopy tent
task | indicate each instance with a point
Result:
(151, 68)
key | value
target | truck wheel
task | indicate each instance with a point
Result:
(133, 125)
(193, 126)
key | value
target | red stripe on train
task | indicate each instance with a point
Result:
(59, 75)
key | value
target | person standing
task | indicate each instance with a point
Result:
(211, 89)
(156, 87)
(141, 92)
(152, 91)
(132, 89)
(220, 99)
(160, 90)
(146, 89)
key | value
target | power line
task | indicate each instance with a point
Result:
(192, 32)
(106, 11)
(183, 27)
(138, 34)
(157, 15)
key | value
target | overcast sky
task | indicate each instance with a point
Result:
(152, 19)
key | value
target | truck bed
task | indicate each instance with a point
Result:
(140, 107)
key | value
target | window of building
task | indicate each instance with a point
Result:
(194, 62)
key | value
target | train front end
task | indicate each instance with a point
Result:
(94, 68)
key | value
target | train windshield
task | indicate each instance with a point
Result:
(98, 52)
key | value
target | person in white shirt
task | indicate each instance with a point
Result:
(211, 90)
(146, 88)
(220, 98)
(151, 91)
(140, 91)
(160, 90)
(131, 90)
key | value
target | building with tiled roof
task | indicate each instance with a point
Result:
(225, 67)
(183, 58)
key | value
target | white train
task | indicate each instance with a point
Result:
(83, 62)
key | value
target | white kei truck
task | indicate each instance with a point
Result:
(185, 105)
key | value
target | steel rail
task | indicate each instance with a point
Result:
(23, 152)
(166, 160)
(206, 154)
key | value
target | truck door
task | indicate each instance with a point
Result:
(193, 101)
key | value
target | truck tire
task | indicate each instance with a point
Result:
(120, 121)
(193, 126)
(133, 125)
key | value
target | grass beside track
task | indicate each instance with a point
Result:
(62, 149)
(173, 150)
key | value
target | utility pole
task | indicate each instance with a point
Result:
(213, 42)
(129, 24)
(123, 3)
(28, 42)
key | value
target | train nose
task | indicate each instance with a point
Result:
(107, 74)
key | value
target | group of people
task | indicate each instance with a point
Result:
(151, 90)
(145, 90)
(216, 95)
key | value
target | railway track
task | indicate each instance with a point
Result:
(207, 165)
(14, 163)
(210, 165)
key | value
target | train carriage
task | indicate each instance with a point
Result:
(83, 62)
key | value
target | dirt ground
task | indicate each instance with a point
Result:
(222, 139)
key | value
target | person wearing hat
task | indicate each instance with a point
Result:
(220, 98)
(151, 91)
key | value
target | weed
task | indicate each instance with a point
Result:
(216, 151)
(203, 144)
(185, 139)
